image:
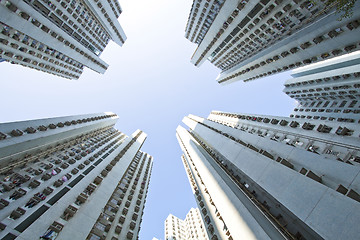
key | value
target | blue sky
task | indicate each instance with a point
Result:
(151, 85)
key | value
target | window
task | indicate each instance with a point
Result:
(343, 103)
(100, 226)
(353, 103)
(334, 104)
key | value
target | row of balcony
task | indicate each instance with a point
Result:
(285, 162)
(277, 30)
(294, 50)
(293, 124)
(105, 221)
(245, 187)
(42, 128)
(48, 190)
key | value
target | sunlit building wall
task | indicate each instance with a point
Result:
(267, 177)
(74, 177)
(174, 228)
(60, 37)
(195, 226)
(191, 228)
(253, 39)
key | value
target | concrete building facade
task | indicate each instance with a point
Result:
(59, 36)
(192, 227)
(252, 39)
(328, 90)
(265, 177)
(175, 228)
(74, 177)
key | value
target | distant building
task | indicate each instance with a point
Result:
(74, 177)
(174, 228)
(191, 228)
(59, 37)
(253, 39)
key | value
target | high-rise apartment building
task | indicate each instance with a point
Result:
(328, 90)
(252, 39)
(266, 177)
(59, 36)
(74, 177)
(191, 228)
(174, 228)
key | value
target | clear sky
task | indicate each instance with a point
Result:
(151, 85)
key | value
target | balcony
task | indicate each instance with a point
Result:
(69, 212)
(98, 180)
(17, 213)
(38, 171)
(34, 184)
(58, 183)
(16, 133)
(64, 165)
(122, 219)
(48, 166)
(56, 227)
(215, 237)
(2, 226)
(46, 177)
(136, 209)
(318, 39)
(90, 188)
(323, 128)
(211, 228)
(132, 225)
(30, 130)
(129, 235)
(3, 203)
(81, 198)
(204, 211)
(343, 131)
(48, 191)
(308, 126)
(118, 229)
(109, 167)
(2, 136)
(283, 122)
(266, 120)
(104, 173)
